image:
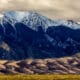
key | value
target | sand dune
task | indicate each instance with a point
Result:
(67, 65)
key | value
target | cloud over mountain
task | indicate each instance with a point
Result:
(51, 8)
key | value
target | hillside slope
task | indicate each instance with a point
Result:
(30, 35)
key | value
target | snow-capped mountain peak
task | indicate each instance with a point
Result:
(29, 34)
(33, 20)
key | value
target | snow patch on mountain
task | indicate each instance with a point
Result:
(27, 33)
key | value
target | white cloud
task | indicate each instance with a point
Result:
(51, 8)
(4, 3)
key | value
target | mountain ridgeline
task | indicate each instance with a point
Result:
(30, 35)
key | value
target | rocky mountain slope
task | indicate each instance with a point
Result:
(30, 35)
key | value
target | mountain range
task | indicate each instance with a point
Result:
(31, 35)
